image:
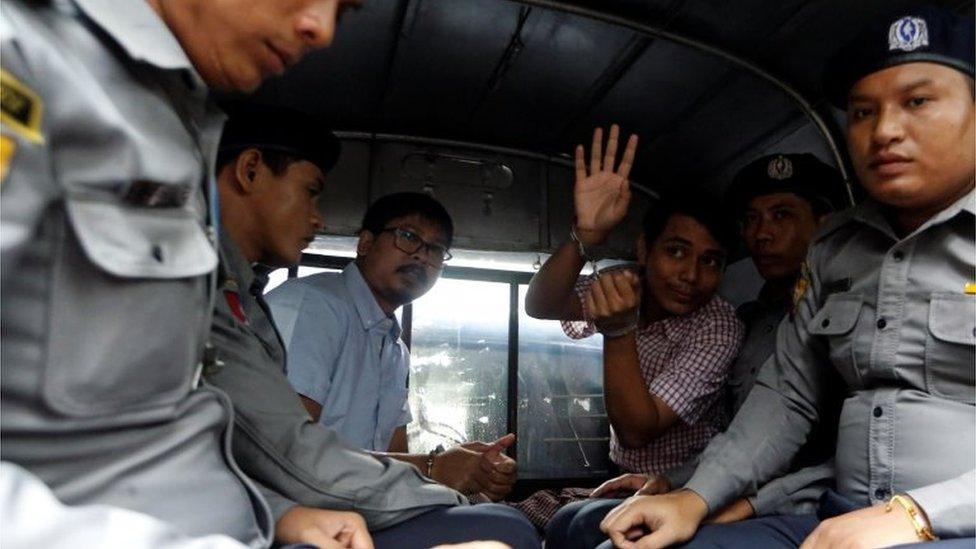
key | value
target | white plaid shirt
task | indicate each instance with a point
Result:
(685, 362)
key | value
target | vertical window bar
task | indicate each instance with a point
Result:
(513, 346)
(293, 271)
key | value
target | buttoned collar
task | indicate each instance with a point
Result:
(369, 310)
(139, 30)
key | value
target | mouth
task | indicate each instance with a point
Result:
(414, 273)
(280, 58)
(888, 165)
(766, 259)
(682, 296)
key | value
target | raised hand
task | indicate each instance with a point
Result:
(602, 193)
(613, 300)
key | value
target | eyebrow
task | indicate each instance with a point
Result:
(773, 206)
(902, 89)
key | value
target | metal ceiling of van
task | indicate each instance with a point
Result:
(538, 75)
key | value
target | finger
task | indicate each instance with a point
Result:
(504, 442)
(595, 149)
(599, 299)
(623, 198)
(492, 472)
(314, 536)
(580, 163)
(655, 540)
(627, 162)
(361, 539)
(590, 311)
(622, 284)
(610, 291)
(611, 155)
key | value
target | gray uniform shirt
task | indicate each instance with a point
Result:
(298, 461)
(893, 318)
(105, 262)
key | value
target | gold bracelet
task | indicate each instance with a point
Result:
(922, 530)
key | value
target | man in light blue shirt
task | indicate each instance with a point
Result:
(345, 356)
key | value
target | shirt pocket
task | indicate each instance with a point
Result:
(129, 308)
(836, 322)
(950, 360)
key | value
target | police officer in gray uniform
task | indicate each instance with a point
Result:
(272, 166)
(888, 305)
(107, 140)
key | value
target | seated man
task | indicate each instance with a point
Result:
(271, 170)
(668, 339)
(780, 201)
(345, 355)
(885, 313)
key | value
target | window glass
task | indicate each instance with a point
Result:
(459, 364)
(275, 278)
(305, 270)
(562, 422)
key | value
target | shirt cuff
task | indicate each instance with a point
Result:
(950, 505)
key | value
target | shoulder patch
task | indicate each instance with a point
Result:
(801, 287)
(20, 108)
(8, 146)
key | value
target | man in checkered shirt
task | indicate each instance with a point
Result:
(668, 338)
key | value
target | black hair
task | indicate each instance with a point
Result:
(276, 161)
(701, 209)
(393, 206)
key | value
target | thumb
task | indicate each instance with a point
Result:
(502, 443)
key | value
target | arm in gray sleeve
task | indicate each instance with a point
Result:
(778, 414)
(278, 503)
(33, 517)
(950, 505)
(679, 476)
(276, 443)
(796, 493)
(27, 183)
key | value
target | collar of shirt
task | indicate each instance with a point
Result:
(872, 214)
(234, 265)
(674, 327)
(369, 310)
(139, 30)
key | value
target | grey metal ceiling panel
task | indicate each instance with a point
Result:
(561, 57)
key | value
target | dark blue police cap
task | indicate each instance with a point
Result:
(802, 174)
(925, 34)
(284, 130)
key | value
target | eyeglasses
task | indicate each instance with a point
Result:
(409, 242)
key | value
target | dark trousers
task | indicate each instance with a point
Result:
(577, 526)
(484, 521)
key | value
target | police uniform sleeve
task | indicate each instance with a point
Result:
(796, 493)
(33, 517)
(278, 446)
(778, 414)
(950, 505)
(27, 183)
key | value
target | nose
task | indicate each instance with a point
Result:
(764, 230)
(888, 127)
(689, 272)
(318, 221)
(316, 23)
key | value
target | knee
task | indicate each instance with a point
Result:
(558, 530)
(585, 526)
(508, 525)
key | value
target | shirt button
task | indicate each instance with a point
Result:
(882, 323)
(898, 256)
(157, 252)
(878, 411)
(880, 493)
(825, 323)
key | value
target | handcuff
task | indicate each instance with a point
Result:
(574, 236)
(430, 459)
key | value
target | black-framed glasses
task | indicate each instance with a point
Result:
(410, 242)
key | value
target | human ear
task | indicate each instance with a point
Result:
(246, 168)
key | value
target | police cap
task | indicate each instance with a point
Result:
(284, 130)
(801, 174)
(925, 34)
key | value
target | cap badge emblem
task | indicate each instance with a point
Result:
(780, 168)
(908, 34)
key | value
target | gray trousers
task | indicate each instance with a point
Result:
(481, 522)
